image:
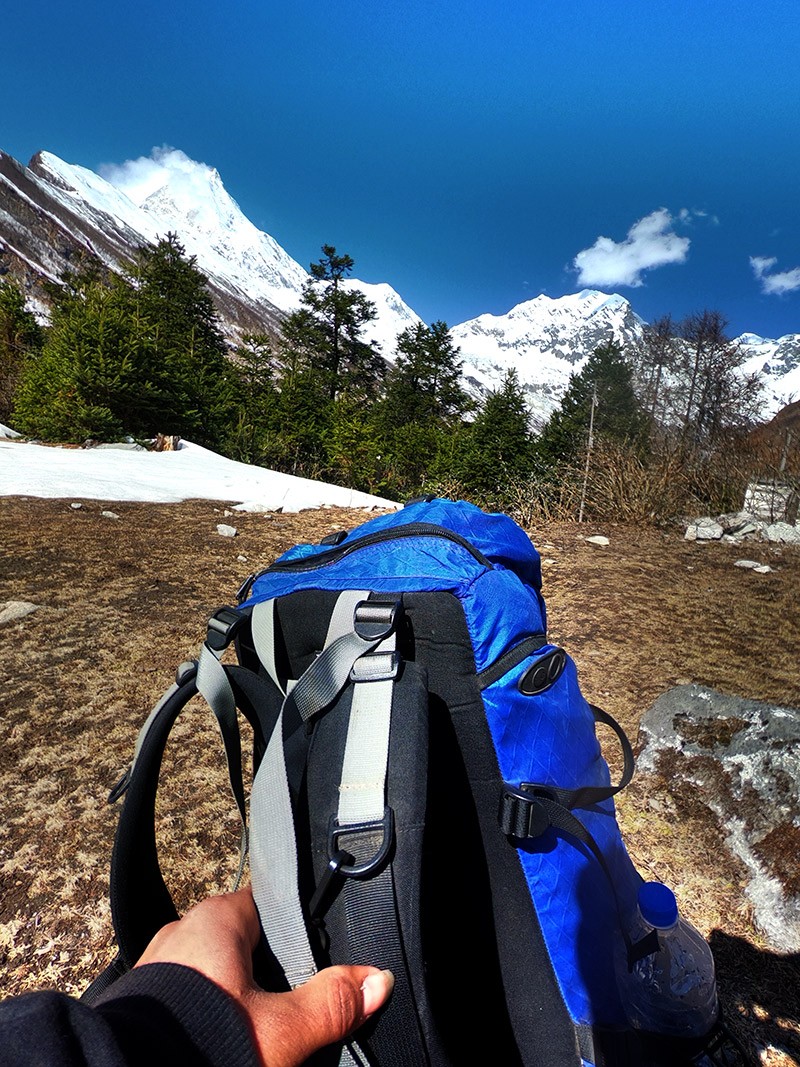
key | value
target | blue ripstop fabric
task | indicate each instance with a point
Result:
(426, 564)
(550, 739)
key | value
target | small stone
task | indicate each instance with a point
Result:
(109, 514)
(762, 568)
(708, 530)
(597, 539)
(226, 531)
(12, 610)
(747, 564)
(76, 506)
(242, 559)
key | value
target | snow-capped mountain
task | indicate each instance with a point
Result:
(54, 214)
(545, 340)
(777, 362)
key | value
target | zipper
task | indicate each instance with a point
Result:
(413, 529)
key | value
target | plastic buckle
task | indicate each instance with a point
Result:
(222, 627)
(367, 867)
(244, 589)
(332, 540)
(522, 813)
(374, 620)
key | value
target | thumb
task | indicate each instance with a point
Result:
(290, 1027)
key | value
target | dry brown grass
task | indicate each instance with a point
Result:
(124, 601)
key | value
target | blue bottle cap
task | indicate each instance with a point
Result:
(657, 905)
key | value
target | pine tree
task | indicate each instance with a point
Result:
(618, 416)
(498, 452)
(422, 408)
(20, 335)
(327, 331)
(188, 345)
(255, 395)
(91, 378)
(425, 381)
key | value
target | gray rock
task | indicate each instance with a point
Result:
(598, 540)
(226, 531)
(109, 514)
(708, 530)
(741, 759)
(747, 564)
(736, 521)
(12, 610)
(783, 533)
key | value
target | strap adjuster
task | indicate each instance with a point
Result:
(522, 813)
(374, 620)
(222, 627)
(364, 868)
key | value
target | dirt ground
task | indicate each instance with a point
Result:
(122, 601)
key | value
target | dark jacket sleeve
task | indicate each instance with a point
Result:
(159, 1014)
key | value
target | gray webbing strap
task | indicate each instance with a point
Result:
(262, 623)
(262, 627)
(213, 684)
(148, 723)
(273, 860)
(362, 792)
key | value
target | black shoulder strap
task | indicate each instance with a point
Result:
(140, 901)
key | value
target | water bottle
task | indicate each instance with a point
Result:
(672, 990)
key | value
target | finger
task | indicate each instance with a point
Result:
(290, 1027)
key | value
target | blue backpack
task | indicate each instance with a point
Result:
(429, 795)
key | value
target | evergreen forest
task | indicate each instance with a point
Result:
(642, 434)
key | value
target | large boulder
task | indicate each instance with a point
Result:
(741, 759)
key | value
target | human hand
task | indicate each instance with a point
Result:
(217, 938)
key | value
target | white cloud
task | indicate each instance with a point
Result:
(786, 281)
(651, 242)
(140, 178)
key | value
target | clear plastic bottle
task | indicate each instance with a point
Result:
(673, 990)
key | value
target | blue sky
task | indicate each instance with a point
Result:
(472, 154)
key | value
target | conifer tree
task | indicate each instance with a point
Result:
(255, 395)
(618, 415)
(189, 347)
(327, 331)
(422, 408)
(498, 452)
(425, 381)
(92, 377)
(20, 334)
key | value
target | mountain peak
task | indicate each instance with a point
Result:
(52, 214)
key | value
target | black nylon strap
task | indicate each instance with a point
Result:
(543, 812)
(140, 901)
(373, 932)
(587, 795)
